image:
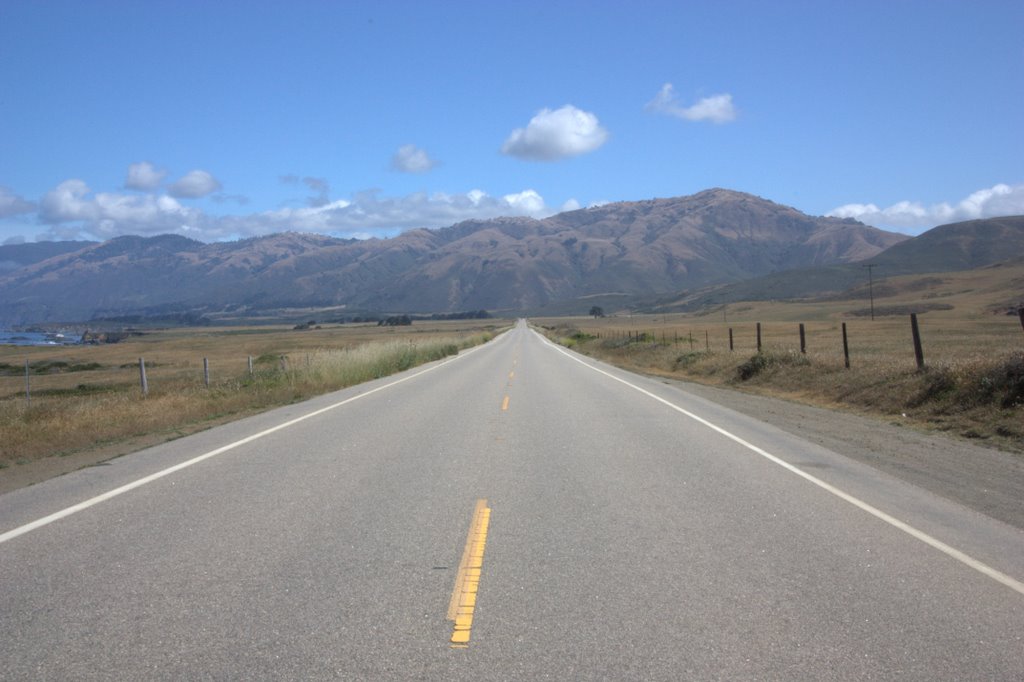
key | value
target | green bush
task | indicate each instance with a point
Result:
(693, 357)
(765, 360)
(48, 367)
(939, 383)
(754, 366)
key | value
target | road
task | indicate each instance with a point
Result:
(635, 532)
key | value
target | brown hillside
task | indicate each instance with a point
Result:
(640, 248)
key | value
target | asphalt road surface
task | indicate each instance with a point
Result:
(635, 532)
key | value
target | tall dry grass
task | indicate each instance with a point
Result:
(72, 417)
(972, 384)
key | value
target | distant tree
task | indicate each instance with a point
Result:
(395, 321)
(466, 315)
(597, 311)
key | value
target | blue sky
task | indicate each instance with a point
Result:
(233, 119)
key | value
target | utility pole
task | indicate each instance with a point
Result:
(871, 287)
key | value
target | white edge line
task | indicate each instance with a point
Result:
(74, 509)
(963, 558)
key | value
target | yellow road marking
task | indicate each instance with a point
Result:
(467, 580)
(504, 404)
(511, 374)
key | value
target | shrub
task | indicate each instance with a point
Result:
(614, 343)
(938, 384)
(766, 360)
(693, 357)
(754, 366)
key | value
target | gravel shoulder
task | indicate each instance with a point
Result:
(986, 480)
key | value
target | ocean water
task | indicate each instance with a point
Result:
(13, 338)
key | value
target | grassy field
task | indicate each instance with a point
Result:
(87, 397)
(972, 384)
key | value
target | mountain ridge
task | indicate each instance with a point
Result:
(652, 246)
(16, 256)
(965, 245)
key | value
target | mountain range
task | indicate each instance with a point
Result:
(642, 248)
(954, 247)
(16, 256)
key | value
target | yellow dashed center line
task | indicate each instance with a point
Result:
(504, 404)
(467, 580)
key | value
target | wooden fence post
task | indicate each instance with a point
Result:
(142, 377)
(918, 351)
(1020, 313)
(250, 365)
(758, 337)
(846, 348)
(803, 340)
(707, 341)
(730, 339)
(28, 387)
(206, 372)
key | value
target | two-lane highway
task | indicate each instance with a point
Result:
(631, 531)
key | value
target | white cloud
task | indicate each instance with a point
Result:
(306, 219)
(11, 204)
(72, 211)
(144, 176)
(66, 203)
(194, 184)
(717, 108)
(411, 159)
(369, 213)
(527, 202)
(570, 205)
(1000, 200)
(106, 215)
(557, 134)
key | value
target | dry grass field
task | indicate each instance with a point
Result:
(972, 384)
(89, 397)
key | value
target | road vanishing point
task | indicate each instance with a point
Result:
(516, 512)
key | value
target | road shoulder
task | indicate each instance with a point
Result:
(986, 480)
